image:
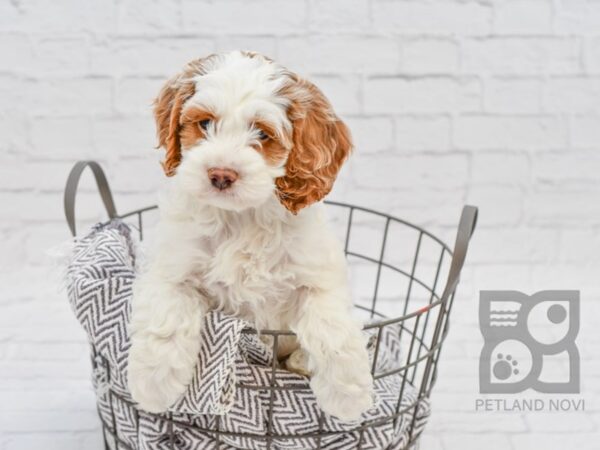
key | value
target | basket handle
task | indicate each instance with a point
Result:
(466, 228)
(71, 191)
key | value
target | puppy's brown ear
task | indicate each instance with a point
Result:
(167, 113)
(321, 144)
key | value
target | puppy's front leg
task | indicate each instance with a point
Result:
(165, 340)
(337, 354)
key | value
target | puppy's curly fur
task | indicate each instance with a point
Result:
(257, 246)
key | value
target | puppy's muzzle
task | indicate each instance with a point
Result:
(222, 178)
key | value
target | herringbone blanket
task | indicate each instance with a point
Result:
(100, 276)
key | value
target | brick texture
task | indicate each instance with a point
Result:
(491, 102)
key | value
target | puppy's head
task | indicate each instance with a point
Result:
(238, 128)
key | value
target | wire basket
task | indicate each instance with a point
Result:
(396, 270)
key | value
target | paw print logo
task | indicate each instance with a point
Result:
(505, 367)
(529, 342)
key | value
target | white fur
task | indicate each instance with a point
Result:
(242, 252)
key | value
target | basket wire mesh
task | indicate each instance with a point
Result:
(419, 308)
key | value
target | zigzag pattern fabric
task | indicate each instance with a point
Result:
(229, 404)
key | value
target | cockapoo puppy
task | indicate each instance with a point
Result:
(251, 148)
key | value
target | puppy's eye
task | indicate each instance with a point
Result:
(203, 124)
(262, 135)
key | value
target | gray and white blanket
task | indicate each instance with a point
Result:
(99, 278)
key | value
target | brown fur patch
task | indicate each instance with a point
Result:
(272, 151)
(321, 143)
(190, 131)
(167, 112)
(276, 147)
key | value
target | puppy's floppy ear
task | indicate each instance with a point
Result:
(321, 144)
(167, 113)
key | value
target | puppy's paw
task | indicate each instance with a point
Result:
(165, 330)
(297, 362)
(156, 383)
(345, 394)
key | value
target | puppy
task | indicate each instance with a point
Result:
(251, 148)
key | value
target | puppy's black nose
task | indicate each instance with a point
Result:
(222, 178)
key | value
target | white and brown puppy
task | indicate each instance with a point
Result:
(251, 147)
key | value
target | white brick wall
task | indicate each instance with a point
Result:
(491, 102)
